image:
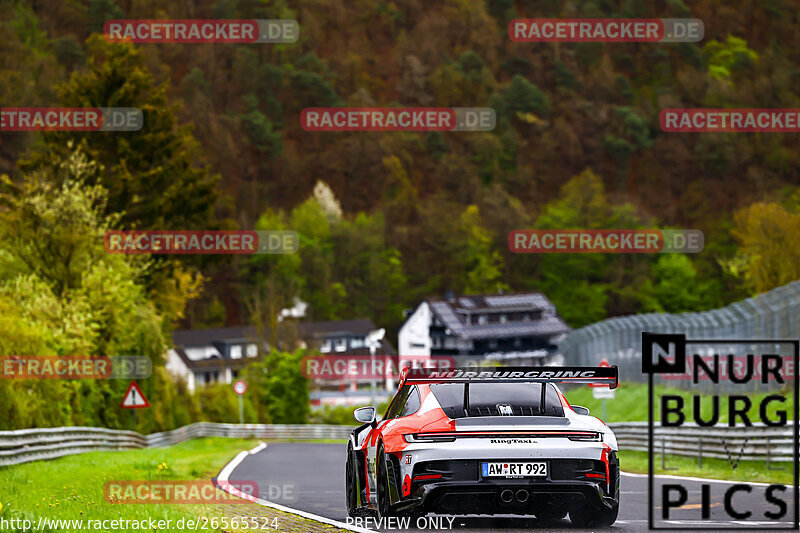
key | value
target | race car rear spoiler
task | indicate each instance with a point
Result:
(608, 375)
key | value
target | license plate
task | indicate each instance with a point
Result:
(514, 469)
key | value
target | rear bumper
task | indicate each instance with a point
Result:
(462, 490)
(469, 498)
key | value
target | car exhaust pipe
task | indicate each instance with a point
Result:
(522, 496)
(507, 496)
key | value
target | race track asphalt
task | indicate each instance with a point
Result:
(310, 477)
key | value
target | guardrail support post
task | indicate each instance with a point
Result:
(664, 455)
(769, 457)
(700, 453)
(768, 466)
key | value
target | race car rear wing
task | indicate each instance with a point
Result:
(514, 374)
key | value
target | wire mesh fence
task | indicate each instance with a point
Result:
(773, 315)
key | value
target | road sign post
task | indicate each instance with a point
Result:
(240, 387)
(603, 394)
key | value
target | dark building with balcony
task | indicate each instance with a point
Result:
(520, 328)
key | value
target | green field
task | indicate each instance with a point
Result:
(71, 488)
(630, 404)
(636, 462)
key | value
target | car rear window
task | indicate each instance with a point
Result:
(486, 399)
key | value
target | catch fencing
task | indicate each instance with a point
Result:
(27, 445)
(772, 315)
(756, 443)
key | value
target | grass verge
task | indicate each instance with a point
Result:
(71, 488)
(745, 471)
(630, 403)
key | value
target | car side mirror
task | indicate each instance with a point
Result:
(580, 409)
(365, 415)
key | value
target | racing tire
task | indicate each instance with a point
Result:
(384, 507)
(351, 485)
(589, 516)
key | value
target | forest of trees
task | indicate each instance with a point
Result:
(384, 218)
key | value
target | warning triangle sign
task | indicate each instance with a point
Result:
(134, 399)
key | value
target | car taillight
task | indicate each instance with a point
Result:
(594, 437)
(416, 439)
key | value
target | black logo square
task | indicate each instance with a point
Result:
(659, 345)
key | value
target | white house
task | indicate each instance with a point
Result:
(206, 356)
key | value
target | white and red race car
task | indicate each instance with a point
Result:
(486, 441)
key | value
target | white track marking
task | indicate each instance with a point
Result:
(222, 480)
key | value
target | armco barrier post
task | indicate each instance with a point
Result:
(664, 455)
(700, 453)
(769, 457)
